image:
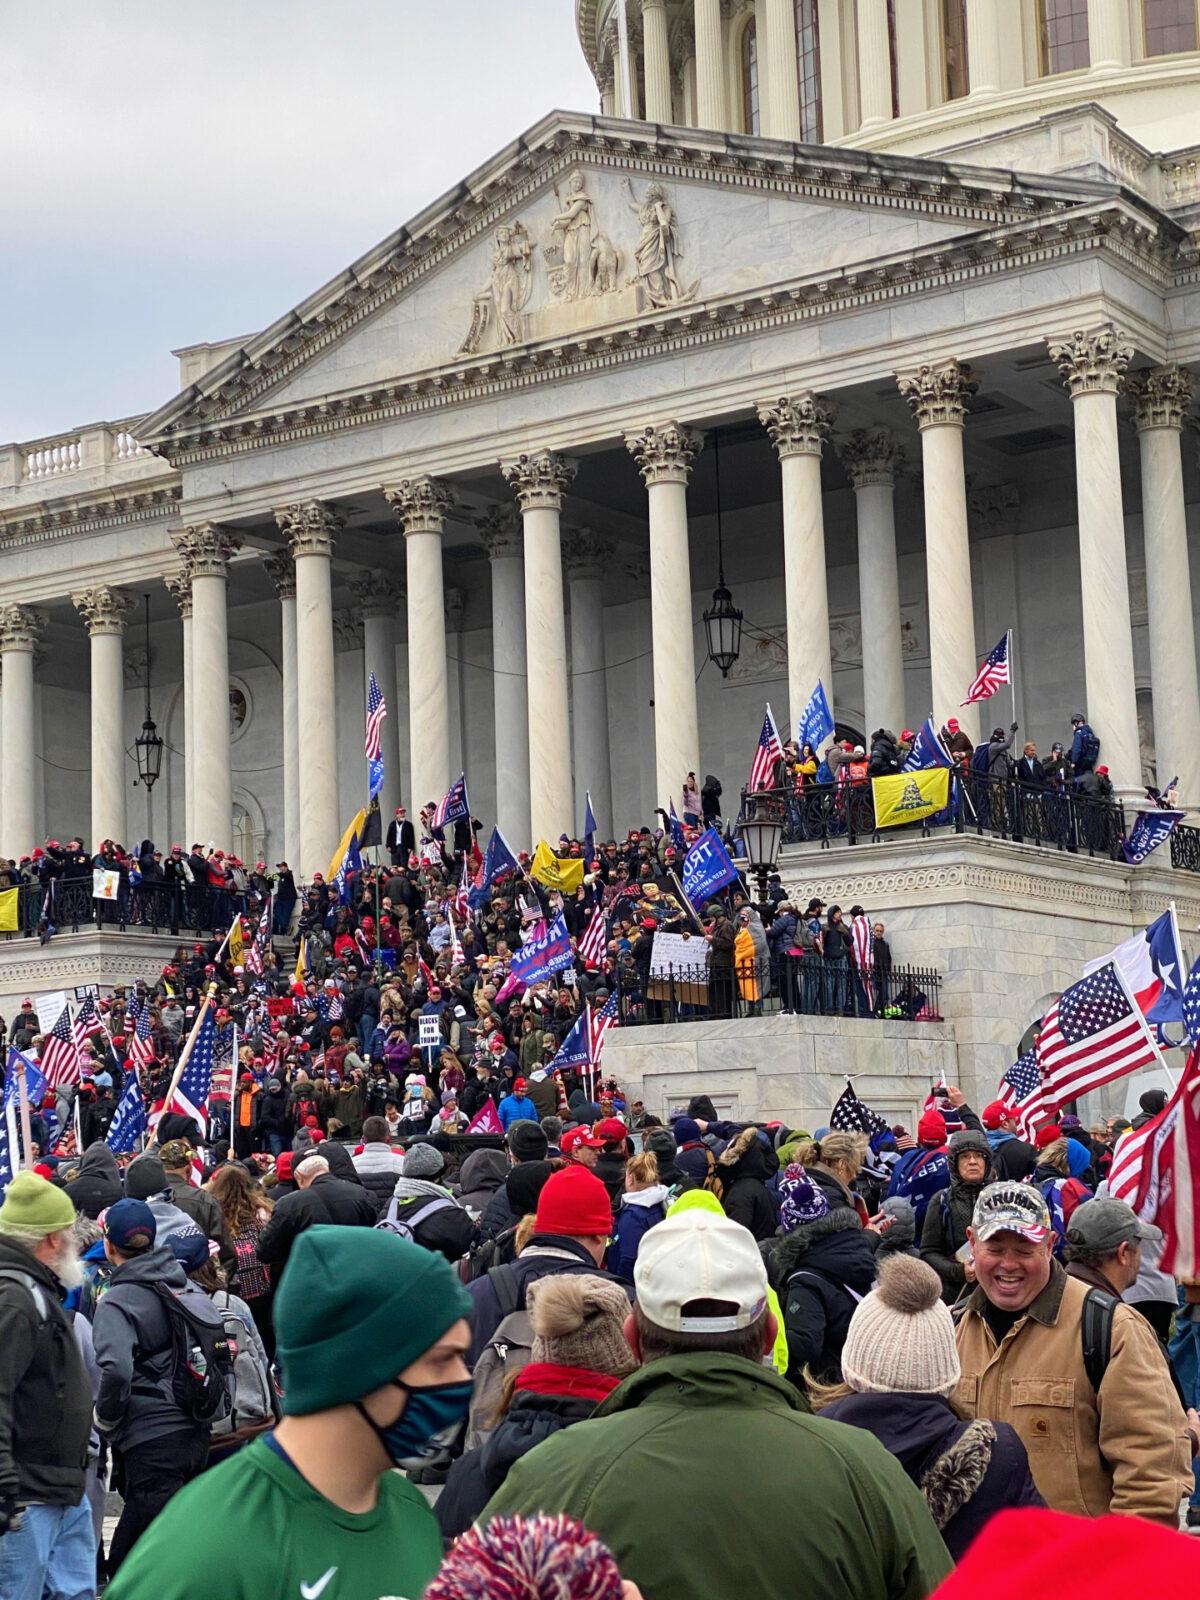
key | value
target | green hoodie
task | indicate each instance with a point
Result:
(777, 1502)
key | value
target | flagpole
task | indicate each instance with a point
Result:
(23, 1101)
(1012, 675)
(184, 1054)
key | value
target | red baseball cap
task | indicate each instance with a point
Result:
(995, 1115)
(611, 1130)
(579, 1139)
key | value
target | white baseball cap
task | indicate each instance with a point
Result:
(699, 1255)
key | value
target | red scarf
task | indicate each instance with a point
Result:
(574, 1383)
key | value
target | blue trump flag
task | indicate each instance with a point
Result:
(816, 720)
(129, 1121)
(589, 829)
(351, 863)
(575, 1050)
(677, 838)
(498, 858)
(1147, 833)
(540, 957)
(707, 867)
(927, 749)
(35, 1081)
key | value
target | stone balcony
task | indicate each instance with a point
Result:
(79, 463)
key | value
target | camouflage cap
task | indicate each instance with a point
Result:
(1012, 1208)
(177, 1153)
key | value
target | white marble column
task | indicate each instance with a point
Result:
(782, 71)
(310, 528)
(799, 427)
(983, 47)
(179, 586)
(710, 65)
(379, 601)
(588, 558)
(19, 630)
(206, 549)
(657, 57)
(282, 571)
(421, 506)
(456, 709)
(938, 397)
(874, 64)
(500, 529)
(664, 452)
(105, 611)
(539, 479)
(871, 459)
(1091, 363)
(1161, 399)
(1108, 38)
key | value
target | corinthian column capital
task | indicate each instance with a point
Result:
(377, 596)
(310, 527)
(1161, 397)
(870, 456)
(664, 452)
(586, 554)
(20, 627)
(539, 479)
(937, 395)
(206, 548)
(105, 610)
(421, 504)
(501, 531)
(1092, 361)
(281, 570)
(179, 587)
(798, 426)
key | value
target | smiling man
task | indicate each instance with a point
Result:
(371, 1334)
(1078, 1374)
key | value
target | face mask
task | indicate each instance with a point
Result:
(428, 1423)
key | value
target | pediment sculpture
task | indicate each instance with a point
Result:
(581, 261)
(499, 308)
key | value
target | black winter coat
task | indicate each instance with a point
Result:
(947, 1218)
(98, 1185)
(327, 1199)
(967, 1471)
(820, 1272)
(745, 1196)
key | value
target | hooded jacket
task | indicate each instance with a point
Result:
(98, 1185)
(640, 1210)
(820, 1272)
(689, 1426)
(377, 1166)
(481, 1174)
(1011, 1157)
(949, 1213)
(204, 1211)
(967, 1472)
(744, 1168)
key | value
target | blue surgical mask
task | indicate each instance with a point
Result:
(428, 1423)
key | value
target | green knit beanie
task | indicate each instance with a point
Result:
(34, 1207)
(355, 1307)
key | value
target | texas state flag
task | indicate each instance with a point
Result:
(1153, 966)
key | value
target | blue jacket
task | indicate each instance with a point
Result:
(1081, 742)
(917, 1177)
(517, 1108)
(640, 1210)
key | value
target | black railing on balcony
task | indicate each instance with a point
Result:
(68, 905)
(1064, 819)
(805, 985)
(1185, 848)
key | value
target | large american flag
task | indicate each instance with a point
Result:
(1092, 1034)
(195, 1086)
(595, 940)
(141, 1046)
(60, 1052)
(89, 1021)
(257, 958)
(767, 753)
(1156, 1170)
(862, 939)
(1021, 1093)
(373, 742)
(995, 670)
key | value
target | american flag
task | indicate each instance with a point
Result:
(994, 671)
(1156, 1170)
(372, 744)
(768, 752)
(60, 1052)
(462, 895)
(141, 1046)
(1093, 1034)
(599, 1022)
(852, 1115)
(595, 939)
(257, 959)
(1021, 1093)
(195, 1086)
(453, 806)
(89, 1021)
(1191, 1003)
(862, 938)
(224, 1049)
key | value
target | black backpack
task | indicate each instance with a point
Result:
(1096, 1326)
(203, 1353)
(493, 1253)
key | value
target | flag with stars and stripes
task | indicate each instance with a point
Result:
(89, 1021)
(195, 1086)
(141, 1046)
(766, 754)
(457, 956)
(852, 1115)
(594, 943)
(1021, 1093)
(1093, 1034)
(1191, 1004)
(1156, 1170)
(129, 1123)
(60, 1053)
(994, 671)
(599, 1022)
(373, 743)
(453, 806)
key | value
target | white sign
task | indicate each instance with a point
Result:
(106, 883)
(429, 1035)
(83, 990)
(679, 955)
(49, 1008)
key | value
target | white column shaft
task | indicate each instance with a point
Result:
(316, 693)
(657, 56)
(291, 735)
(1169, 603)
(379, 657)
(676, 717)
(782, 71)
(874, 64)
(189, 702)
(589, 702)
(1108, 36)
(20, 816)
(550, 796)
(428, 708)
(806, 589)
(108, 752)
(983, 46)
(879, 606)
(1107, 639)
(511, 702)
(212, 805)
(952, 661)
(710, 65)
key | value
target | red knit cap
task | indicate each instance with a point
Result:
(931, 1129)
(283, 1164)
(1048, 1135)
(1048, 1552)
(574, 1202)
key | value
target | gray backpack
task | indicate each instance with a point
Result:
(508, 1350)
(406, 1226)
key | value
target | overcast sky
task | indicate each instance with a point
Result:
(174, 173)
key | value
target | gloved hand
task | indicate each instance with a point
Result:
(10, 1517)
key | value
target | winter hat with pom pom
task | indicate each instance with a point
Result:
(901, 1338)
(578, 1321)
(528, 1558)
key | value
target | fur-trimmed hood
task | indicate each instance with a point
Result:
(746, 1156)
(827, 1237)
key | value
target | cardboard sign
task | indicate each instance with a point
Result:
(429, 1035)
(49, 1008)
(679, 969)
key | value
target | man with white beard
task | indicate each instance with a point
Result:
(47, 1542)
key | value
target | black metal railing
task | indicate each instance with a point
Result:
(1063, 819)
(1185, 848)
(67, 905)
(804, 985)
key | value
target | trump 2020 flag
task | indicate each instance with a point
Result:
(816, 720)
(707, 867)
(453, 806)
(129, 1121)
(576, 1048)
(540, 957)
(927, 749)
(1147, 833)
(498, 858)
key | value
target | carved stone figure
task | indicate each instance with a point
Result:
(658, 249)
(569, 252)
(606, 265)
(499, 307)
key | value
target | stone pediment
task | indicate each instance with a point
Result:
(586, 227)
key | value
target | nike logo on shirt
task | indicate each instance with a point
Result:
(312, 1591)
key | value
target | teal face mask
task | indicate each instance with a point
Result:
(427, 1424)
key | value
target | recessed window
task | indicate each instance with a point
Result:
(750, 108)
(1064, 35)
(1170, 26)
(954, 49)
(808, 59)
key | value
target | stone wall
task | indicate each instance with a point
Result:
(106, 959)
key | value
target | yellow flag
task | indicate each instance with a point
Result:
(301, 962)
(355, 828)
(910, 796)
(237, 943)
(8, 910)
(565, 876)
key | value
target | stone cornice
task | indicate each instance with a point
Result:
(26, 525)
